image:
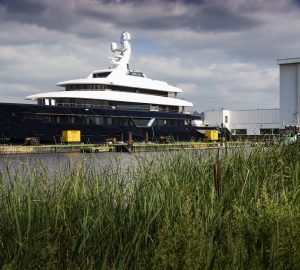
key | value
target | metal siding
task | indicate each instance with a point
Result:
(214, 117)
(289, 89)
(252, 120)
(298, 98)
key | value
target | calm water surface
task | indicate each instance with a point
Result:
(61, 161)
(55, 162)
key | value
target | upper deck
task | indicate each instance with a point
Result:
(119, 84)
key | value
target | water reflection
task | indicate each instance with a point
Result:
(67, 162)
(53, 163)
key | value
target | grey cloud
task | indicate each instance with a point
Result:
(195, 15)
(222, 19)
(172, 15)
(70, 38)
(29, 7)
(53, 15)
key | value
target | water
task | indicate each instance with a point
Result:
(66, 162)
(55, 162)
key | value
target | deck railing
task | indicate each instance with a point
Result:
(117, 107)
(4, 141)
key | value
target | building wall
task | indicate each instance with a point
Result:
(290, 93)
(217, 117)
(251, 122)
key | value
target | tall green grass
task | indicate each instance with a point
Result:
(164, 214)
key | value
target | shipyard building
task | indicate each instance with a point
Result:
(245, 122)
(265, 121)
(290, 91)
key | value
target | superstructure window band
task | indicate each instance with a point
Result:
(104, 120)
(103, 104)
(96, 87)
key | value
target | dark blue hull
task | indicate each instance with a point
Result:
(19, 121)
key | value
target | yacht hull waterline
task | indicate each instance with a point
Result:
(107, 104)
(20, 121)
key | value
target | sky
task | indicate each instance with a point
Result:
(221, 53)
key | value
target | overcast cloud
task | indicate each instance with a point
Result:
(222, 53)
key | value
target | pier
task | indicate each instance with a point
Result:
(98, 148)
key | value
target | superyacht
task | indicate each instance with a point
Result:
(109, 103)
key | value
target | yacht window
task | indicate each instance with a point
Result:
(99, 120)
(109, 121)
(101, 74)
(90, 120)
(85, 87)
(135, 73)
(173, 109)
(141, 122)
(79, 120)
(154, 108)
(175, 123)
(90, 87)
(100, 86)
(120, 121)
(159, 122)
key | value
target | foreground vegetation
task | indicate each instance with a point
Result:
(168, 213)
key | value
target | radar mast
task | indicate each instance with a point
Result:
(122, 55)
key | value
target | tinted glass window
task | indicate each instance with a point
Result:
(101, 74)
(141, 122)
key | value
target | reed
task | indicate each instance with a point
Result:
(164, 213)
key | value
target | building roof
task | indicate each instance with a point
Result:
(286, 61)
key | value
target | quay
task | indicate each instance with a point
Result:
(38, 149)
(97, 148)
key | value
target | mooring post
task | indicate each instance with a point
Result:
(130, 141)
(217, 173)
(146, 137)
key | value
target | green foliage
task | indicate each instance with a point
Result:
(163, 214)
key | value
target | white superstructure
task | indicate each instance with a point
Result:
(116, 87)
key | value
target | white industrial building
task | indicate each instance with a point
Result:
(265, 121)
(246, 122)
(290, 91)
